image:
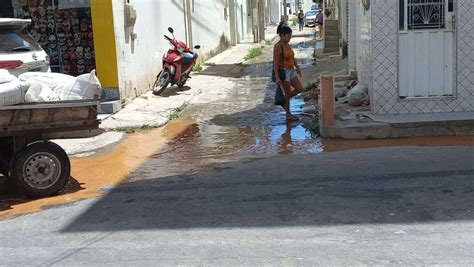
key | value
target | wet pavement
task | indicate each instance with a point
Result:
(245, 124)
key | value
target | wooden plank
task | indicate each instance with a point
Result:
(52, 105)
(49, 127)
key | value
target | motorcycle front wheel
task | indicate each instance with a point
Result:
(161, 82)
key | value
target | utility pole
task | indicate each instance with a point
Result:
(285, 12)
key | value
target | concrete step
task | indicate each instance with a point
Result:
(331, 38)
(331, 44)
(331, 50)
(331, 22)
(331, 26)
(110, 107)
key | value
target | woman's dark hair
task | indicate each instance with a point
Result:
(283, 29)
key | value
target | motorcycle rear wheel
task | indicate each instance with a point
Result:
(161, 82)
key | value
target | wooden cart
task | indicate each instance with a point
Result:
(36, 166)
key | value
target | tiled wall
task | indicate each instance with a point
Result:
(384, 99)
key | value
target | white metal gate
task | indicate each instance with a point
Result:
(426, 48)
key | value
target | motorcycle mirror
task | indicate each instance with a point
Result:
(170, 29)
(197, 46)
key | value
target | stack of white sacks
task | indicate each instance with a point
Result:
(32, 87)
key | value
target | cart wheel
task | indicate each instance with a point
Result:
(40, 169)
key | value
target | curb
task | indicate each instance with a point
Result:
(354, 129)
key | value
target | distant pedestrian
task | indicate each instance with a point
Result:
(320, 22)
(286, 68)
(301, 20)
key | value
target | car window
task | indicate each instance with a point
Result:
(311, 13)
(13, 41)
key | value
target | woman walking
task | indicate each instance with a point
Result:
(301, 20)
(286, 68)
(320, 22)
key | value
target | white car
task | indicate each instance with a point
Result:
(310, 18)
(19, 51)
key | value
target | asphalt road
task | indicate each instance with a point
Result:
(399, 205)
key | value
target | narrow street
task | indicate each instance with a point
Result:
(245, 124)
(237, 185)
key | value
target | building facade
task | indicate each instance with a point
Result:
(416, 56)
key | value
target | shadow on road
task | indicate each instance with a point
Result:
(174, 91)
(375, 186)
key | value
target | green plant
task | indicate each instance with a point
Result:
(254, 52)
(175, 114)
(209, 64)
(310, 86)
(327, 12)
(197, 67)
(133, 129)
(268, 42)
(293, 22)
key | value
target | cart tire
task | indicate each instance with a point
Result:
(40, 169)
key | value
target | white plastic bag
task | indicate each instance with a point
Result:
(56, 82)
(340, 91)
(12, 93)
(67, 87)
(50, 79)
(86, 86)
(39, 92)
(358, 95)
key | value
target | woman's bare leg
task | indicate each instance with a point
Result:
(287, 89)
(297, 85)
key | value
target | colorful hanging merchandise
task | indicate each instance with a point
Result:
(64, 32)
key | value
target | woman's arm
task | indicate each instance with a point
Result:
(298, 70)
(277, 62)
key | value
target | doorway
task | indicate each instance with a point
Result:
(426, 49)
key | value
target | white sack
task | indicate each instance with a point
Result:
(39, 92)
(12, 93)
(5, 76)
(86, 86)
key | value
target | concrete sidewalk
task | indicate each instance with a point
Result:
(368, 126)
(155, 111)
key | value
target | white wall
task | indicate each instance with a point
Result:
(364, 45)
(244, 19)
(352, 43)
(275, 11)
(307, 5)
(139, 61)
(211, 28)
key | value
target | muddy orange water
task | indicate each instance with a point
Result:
(91, 174)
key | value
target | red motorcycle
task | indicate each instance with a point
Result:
(177, 65)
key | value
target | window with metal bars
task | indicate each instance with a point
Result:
(423, 14)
